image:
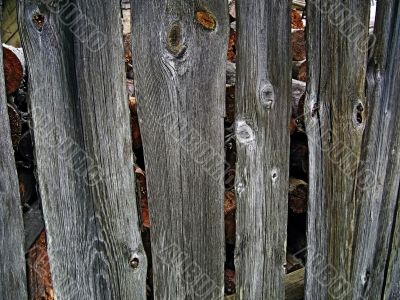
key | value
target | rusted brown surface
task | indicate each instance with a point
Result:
(13, 70)
(39, 277)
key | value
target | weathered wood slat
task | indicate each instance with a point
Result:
(179, 51)
(378, 192)
(99, 58)
(12, 259)
(83, 149)
(263, 101)
(335, 108)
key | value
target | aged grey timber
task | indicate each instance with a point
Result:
(263, 105)
(12, 258)
(335, 114)
(180, 68)
(376, 270)
(83, 149)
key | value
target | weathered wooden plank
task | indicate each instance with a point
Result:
(179, 50)
(377, 193)
(12, 260)
(263, 102)
(335, 108)
(101, 77)
(83, 148)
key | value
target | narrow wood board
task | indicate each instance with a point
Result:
(83, 149)
(179, 57)
(335, 114)
(12, 259)
(263, 106)
(376, 271)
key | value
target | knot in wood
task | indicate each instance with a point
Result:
(240, 188)
(174, 40)
(244, 133)
(134, 262)
(38, 20)
(274, 175)
(267, 95)
(358, 113)
(206, 19)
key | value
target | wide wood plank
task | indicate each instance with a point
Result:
(263, 105)
(335, 114)
(179, 50)
(83, 149)
(376, 245)
(12, 259)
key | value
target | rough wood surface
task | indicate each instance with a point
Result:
(335, 112)
(12, 260)
(83, 149)
(263, 93)
(180, 66)
(376, 271)
(294, 285)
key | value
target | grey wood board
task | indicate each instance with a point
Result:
(83, 149)
(335, 114)
(12, 259)
(263, 107)
(180, 70)
(376, 263)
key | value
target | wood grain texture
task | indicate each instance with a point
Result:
(335, 113)
(12, 259)
(83, 148)
(294, 285)
(179, 50)
(263, 105)
(376, 259)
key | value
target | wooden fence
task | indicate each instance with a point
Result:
(84, 159)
